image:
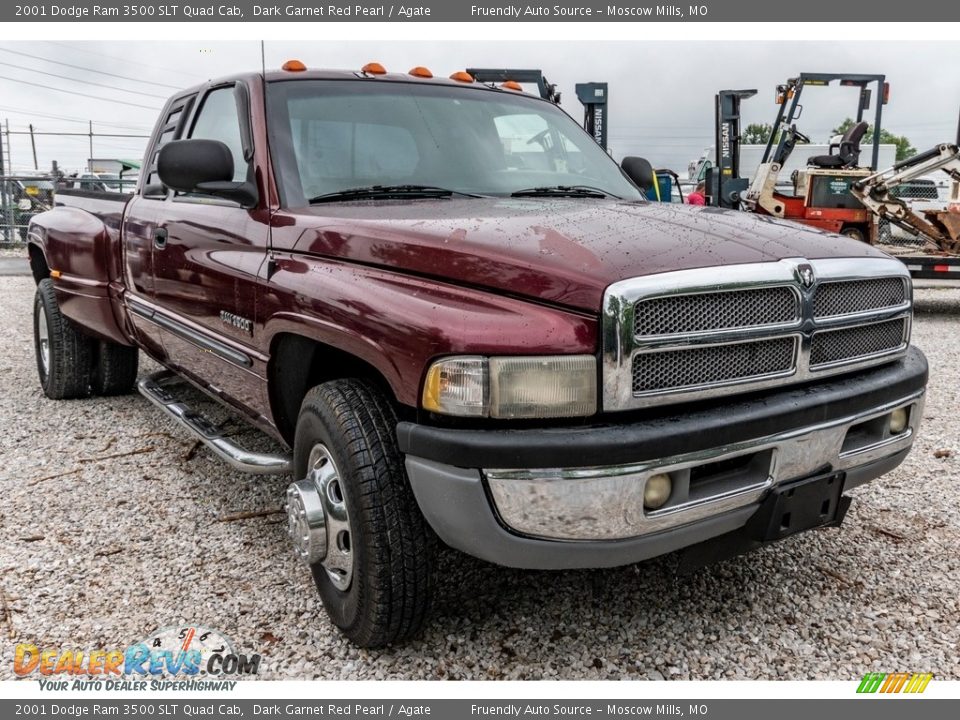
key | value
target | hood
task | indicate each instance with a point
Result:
(561, 251)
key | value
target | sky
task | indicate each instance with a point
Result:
(661, 94)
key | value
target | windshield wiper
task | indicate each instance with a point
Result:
(564, 191)
(387, 191)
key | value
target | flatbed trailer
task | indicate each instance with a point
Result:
(932, 267)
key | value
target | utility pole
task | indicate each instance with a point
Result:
(4, 205)
(90, 157)
(33, 144)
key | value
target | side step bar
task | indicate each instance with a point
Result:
(161, 395)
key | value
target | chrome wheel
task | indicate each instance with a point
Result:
(43, 339)
(318, 521)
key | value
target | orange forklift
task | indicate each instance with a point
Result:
(817, 195)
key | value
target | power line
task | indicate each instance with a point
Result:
(72, 92)
(85, 69)
(124, 59)
(86, 82)
(66, 118)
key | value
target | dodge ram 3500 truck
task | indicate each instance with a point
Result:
(464, 321)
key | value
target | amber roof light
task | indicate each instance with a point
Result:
(421, 72)
(294, 66)
(462, 76)
(512, 85)
(373, 68)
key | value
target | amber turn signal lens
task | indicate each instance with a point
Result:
(462, 76)
(294, 66)
(420, 71)
(373, 68)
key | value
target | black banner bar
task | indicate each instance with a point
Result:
(637, 11)
(476, 709)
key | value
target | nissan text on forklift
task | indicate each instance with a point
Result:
(837, 192)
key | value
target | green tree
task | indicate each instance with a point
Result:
(757, 134)
(904, 147)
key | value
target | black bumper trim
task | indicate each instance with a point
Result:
(666, 436)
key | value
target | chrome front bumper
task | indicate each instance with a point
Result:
(572, 496)
(606, 503)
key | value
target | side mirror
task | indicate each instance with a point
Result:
(204, 166)
(639, 170)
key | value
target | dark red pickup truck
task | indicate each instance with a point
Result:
(465, 321)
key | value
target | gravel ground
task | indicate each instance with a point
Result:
(114, 526)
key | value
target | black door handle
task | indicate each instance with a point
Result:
(160, 238)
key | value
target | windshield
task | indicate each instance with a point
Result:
(334, 135)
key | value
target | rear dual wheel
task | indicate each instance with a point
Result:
(64, 354)
(71, 364)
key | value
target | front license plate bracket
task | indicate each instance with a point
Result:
(800, 505)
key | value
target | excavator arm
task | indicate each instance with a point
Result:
(942, 227)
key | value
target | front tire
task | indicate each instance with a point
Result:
(64, 354)
(374, 566)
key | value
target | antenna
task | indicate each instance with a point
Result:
(271, 259)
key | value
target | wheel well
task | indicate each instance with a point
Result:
(299, 363)
(38, 263)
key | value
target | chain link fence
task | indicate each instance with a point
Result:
(23, 196)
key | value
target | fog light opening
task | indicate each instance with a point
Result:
(898, 421)
(657, 491)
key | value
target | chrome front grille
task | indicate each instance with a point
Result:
(860, 341)
(716, 311)
(833, 299)
(715, 364)
(702, 333)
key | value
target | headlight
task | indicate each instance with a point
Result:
(513, 387)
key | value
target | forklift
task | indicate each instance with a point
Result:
(821, 194)
(593, 96)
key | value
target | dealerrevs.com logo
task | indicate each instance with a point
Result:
(189, 657)
(887, 683)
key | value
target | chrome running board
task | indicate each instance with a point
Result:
(162, 395)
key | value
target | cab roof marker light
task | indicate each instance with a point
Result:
(373, 68)
(512, 85)
(420, 72)
(461, 76)
(293, 66)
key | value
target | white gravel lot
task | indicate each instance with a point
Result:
(113, 528)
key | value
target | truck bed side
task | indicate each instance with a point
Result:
(77, 244)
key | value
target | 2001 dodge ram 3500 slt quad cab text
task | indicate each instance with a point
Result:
(465, 321)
